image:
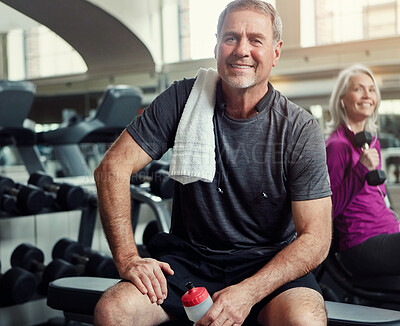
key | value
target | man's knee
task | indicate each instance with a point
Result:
(107, 308)
(295, 307)
(103, 311)
(123, 304)
(117, 304)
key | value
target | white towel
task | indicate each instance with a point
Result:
(193, 155)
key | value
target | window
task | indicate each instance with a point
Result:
(38, 52)
(342, 20)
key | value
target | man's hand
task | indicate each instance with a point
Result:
(147, 275)
(231, 307)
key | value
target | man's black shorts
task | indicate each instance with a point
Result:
(212, 271)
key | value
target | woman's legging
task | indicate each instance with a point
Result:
(379, 255)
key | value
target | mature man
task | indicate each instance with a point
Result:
(253, 231)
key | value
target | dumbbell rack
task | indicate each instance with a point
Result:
(36, 310)
(88, 217)
(87, 223)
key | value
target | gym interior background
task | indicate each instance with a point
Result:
(73, 51)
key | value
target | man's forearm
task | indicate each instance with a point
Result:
(313, 222)
(296, 260)
(115, 213)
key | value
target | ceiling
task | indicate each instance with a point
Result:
(105, 47)
(12, 19)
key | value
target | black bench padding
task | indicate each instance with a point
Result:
(77, 296)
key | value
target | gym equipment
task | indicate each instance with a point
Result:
(140, 196)
(77, 297)
(29, 199)
(7, 203)
(66, 196)
(31, 258)
(156, 173)
(16, 98)
(88, 262)
(117, 107)
(374, 177)
(16, 286)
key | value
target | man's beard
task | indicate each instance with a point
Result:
(241, 81)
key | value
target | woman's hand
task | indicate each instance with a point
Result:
(370, 158)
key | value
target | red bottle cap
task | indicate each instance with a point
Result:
(194, 295)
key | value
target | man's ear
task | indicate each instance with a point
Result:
(277, 53)
(216, 44)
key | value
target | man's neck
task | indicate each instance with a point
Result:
(241, 103)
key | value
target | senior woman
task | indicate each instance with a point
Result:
(366, 229)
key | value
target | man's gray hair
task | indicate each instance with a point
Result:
(259, 6)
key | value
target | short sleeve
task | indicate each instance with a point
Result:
(155, 129)
(308, 173)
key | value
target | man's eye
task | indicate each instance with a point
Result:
(230, 39)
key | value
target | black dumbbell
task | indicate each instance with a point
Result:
(66, 196)
(7, 203)
(374, 177)
(16, 286)
(156, 173)
(31, 258)
(29, 199)
(88, 262)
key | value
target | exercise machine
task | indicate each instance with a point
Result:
(117, 107)
(16, 98)
(157, 176)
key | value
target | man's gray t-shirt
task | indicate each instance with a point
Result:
(263, 163)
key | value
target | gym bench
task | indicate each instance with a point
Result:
(77, 298)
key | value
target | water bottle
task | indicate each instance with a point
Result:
(196, 302)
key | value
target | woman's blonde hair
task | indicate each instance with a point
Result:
(336, 109)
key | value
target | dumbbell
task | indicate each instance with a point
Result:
(156, 173)
(374, 177)
(88, 262)
(28, 199)
(65, 195)
(31, 258)
(16, 286)
(7, 203)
